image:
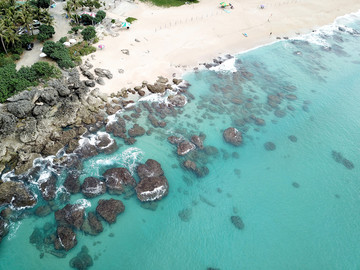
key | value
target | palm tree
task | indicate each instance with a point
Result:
(3, 34)
(25, 17)
(45, 17)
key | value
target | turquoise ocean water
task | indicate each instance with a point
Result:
(300, 207)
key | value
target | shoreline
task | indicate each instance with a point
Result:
(170, 47)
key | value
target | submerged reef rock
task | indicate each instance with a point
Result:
(270, 146)
(185, 147)
(105, 143)
(185, 214)
(136, 131)
(66, 238)
(110, 209)
(177, 100)
(175, 140)
(43, 211)
(153, 184)
(3, 228)
(93, 187)
(82, 261)
(92, 225)
(338, 157)
(237, 221)
(292, 138)
(118, 179)
(17, 194)
(48, 186)
(232, 136)
(72, 182)
(71, 214)
(197, 141)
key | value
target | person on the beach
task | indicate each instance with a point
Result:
(231, 6)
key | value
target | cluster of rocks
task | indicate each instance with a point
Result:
(99, 76)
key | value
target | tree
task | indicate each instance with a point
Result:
(88, 33)
(43, 3)
(46, 32)
(3, 32)
(100, 15)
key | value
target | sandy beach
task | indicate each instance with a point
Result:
(171, 41)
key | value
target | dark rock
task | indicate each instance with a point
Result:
(136, 130)
(110, 209)
(7, 124)
(118, 128)
(66, 238)
(43, 210)
(185, 147)
(71, 214)
(295, 185)
(105, 143)
(152, 188)
(36, 238)
(292, 138)
(86, 150)
(20, 108)
(197, 141)
(72, 182)
(348, 164)
(280, 113)
(118, 179)
(185, 214)
(48, 186)
(4, 228)
(92, 187)
(103, 73)
(60, 87)
(175, 140)
(17, 194)
(177, 81)
(270, 146)
(41, 110)
(232, 136)
(191, 165)
(88, 75)
(238, 223)
(82, 260)
(156, 88)
(51, 148)
(202, 171)
(151, 168)
(49, 96)
(100, 80)
(92, 225)
(90, 83)
(177, 100)
(260, 121)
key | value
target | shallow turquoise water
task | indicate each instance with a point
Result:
(314, 226)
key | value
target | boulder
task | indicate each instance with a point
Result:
(90, 83)
(100, 80)
(66, 238)
(190, 165)
(185, 147)
(7, 124)
(92, 225)
(136, 131)
(31, 95)
(105, 143)
(110, 209)
(51, 148)
(48, 186)
(92, 187)
(152, 188)
(72, 182)
(82, 260)
(88, 74)
(232, 136)
(49, 96)
(237, 222)
(118, 179)
(151, 168)
(17, 194)
(175, 140)
(41, 110)
(71, 214)
(118, 128)
(29, 132)
(103, 73)
(177, 100)
(60, 87)
(20, 108)
(156, 88)
(86, 150)
(197, 141)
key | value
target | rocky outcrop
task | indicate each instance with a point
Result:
(156, 88)
(110, 209)
(66, 238)
(92, 187)
(197, 141)
(103, 73)
(105, 143)
(71, 214)
(175, 140)
(3, 228)
(118, 180)
(7, 124)
(177, 100)
(20, 108)
(151, 168)
(48, 186)
(86, 149)
(92, 225)
(72, 182)
(185, 147)
(233, 136)
(17, 194)
(82, 260)
(152, 188)
(118, 128)
(136, 131)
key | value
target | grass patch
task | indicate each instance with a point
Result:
(80, 49)
(130, 19)
(170, 3)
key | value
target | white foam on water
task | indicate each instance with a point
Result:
(155, 194)
(226, 66)
(131, 157)
(13, 228)
(83, 203)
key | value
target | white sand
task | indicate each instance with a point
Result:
(174, 40)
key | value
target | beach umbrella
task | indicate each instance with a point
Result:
(125, 25)
(67, 44)
(223, 4)
(42, 55)
(72, 41)
(101, 46)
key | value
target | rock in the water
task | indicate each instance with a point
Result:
(118, 179)
(110, 209)
(71, 214)
(105, 143)
(82, 260)
(197, 141)
(156, 88)
(232, 136)
(348, 164)
(185, 147)
(93, 187)
(136, 130)
(86, 150)
(48, 186)
(270, 146)
(43, 210)
(185, 214)
(3, 228)
(72, 182)
(66, 238)
(151, 168)
(295, 185)
(92, 225)
(292, 138)
(177, 100)
(238, 223)
(175, 140)
(152, 188)
(17, 194)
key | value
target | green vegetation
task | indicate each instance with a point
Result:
(46, 32)
(76, 29)
(130, 19)
(12, 81)
(80, 49)
(58, 52)
(63, 39)
(88, 33)
(100, 15)
(171, 3)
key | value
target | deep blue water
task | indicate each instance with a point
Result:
(300, 207)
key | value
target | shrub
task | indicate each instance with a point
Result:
(15, 57)
(44, 70)
(88, 33)
(86, 19)
(112, 20)
(59, 53)
(75, 29)
(43, 3)
(63, 39)
(45, 32)
(26, 39)
(100, 15)
(130, 19)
